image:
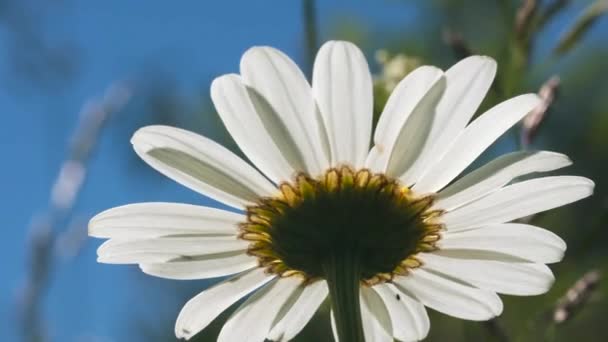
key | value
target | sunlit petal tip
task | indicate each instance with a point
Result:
(343, 89)
(477, 63)
(140, 138)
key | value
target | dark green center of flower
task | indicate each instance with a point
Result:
(367, 217)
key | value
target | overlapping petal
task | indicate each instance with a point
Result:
(442, 293)
(408, 316)
(201, 165)
(519, 200)
(342, 87)
(281, 84)
(473, 140)
(517, 239)
(150, 220)
(466, 85)
(253, 320)
(377, 323)
(406, 140)
(207, 305)
(497, 173)
(297, 313)
(257, 128)
(514, 278)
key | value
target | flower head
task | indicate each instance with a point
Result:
(382, 232)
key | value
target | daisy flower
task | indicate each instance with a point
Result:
(381, 227)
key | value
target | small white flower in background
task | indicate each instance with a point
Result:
(380, 232)
(394, 68)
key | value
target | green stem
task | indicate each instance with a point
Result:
(342, 273)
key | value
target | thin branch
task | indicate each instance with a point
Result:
(549, 12)
(309, 14)
(533, 121)
(524, 17)
(457, 43)
(47, 227)
(576, 297)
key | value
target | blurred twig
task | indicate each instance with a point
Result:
(31, 52)
(524, 17)
(310, 32)
(533, 121)
(46, 228)
(582, 25)
(548, 12)
(576, 297)
(456, 42)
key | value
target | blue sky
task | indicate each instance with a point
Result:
(192, 41)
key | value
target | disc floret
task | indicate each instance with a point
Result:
(378, 223)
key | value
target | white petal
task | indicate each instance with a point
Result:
(252, 321)
(135, 257)
(466, 85)
(280, 82)
(413, 135)
(342, 87)
(256, 129)
(478, 136)
(519, 200)
(520, 279)
(517, 239)
(399, 107)
(449, 296)
(496, 174)
(202, 267)
(181, 247)
(148, 220)
(408, 316)
(294, 317)
(201, 164)
(207, 305)
(377, 325)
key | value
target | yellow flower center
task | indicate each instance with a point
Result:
(369, 217)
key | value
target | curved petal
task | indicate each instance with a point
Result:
(409, 319)
(413, 135)
(516, 239)
(294, 317)
(149, 220)
(519, 200)
(253, 320)
(201, 164)
(179, 245)
(467, 83)
(400, 106)
(377, 324)
(497, 173)
(278, 80)
(202, 267)
(256, 129)
(478, 136)
(207, 305)
(520, 279)
(342, 87)
(450, 296)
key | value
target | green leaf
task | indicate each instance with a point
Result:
(581, 26)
